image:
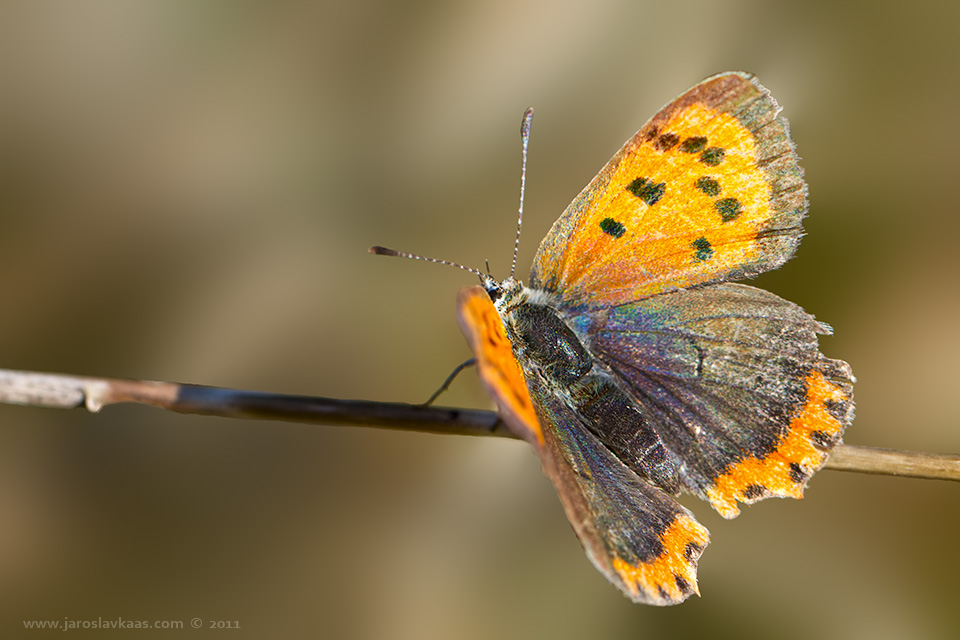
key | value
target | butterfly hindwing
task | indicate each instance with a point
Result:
(732, 380)
(639, 537)
(708, 190)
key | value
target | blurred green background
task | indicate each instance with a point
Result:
(188, 190)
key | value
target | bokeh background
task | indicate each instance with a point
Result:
(187, 193)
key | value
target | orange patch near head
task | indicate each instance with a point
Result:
(499, 370)
(674, 572)
(776, 474)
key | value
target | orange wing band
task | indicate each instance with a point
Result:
(783, 473)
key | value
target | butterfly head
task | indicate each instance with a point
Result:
(503, 293)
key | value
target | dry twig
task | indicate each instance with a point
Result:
(68, 392)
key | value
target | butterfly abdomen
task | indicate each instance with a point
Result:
(620, 424)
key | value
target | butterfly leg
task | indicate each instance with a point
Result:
(450, 378)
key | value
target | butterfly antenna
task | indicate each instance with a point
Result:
(383, 251)
(525, 138)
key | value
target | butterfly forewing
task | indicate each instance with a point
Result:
(708, 190)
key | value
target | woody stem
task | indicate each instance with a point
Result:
(66, 392)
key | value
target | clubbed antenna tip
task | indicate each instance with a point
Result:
(383, 251)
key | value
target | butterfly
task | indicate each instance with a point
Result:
(637, 370)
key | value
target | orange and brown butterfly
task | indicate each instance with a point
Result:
(636, 370)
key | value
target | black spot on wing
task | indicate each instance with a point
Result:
(692, 551)
(728, 208)
(754, 491)
(823, 439)
(613, 228)
(703, 249)
(797, 474)
(666, 142)
(695, 144)
(708, 185)
(839, 410)
(647, 190)
(712, 156)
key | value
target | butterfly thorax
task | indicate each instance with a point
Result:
(547, 346)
